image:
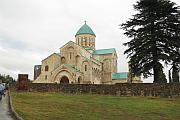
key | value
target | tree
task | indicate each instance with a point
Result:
(153, 37)
(175, 56)
(6, 79)
(170, 80)
(175, 74)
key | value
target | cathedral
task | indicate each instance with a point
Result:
(80, 62)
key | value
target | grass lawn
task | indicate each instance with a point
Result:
(59, 106)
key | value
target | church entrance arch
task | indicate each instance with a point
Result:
(63, 76)
(64, 80)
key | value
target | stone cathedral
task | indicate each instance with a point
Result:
(80, 62)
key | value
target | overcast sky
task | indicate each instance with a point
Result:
(31, 30)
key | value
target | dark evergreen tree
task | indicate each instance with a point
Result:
(153, 37)
(175, 74)
(170, 80)
(161, 75)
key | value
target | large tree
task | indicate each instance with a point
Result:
(153, 37)
(6, 79)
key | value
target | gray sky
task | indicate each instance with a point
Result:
(30, 30)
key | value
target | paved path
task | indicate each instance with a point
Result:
(4, 109)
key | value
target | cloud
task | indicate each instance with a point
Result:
(12, 43)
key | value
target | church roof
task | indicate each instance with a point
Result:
(75, 69)
(58, 54)
(85, 29)
(122, 75)
(104, 51)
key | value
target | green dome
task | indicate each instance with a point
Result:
(85, 29)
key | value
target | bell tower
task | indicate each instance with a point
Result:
(85, 37)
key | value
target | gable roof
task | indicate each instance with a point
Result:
(58, 54)
(104, 51)
(122, 75)
(67, 44)
(76, 45)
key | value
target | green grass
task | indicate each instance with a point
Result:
(59, 106)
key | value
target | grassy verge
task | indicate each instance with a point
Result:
(59, 106)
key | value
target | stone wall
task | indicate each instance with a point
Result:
(23, 82)
(124, 89)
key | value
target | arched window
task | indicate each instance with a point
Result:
(102, 66)
(79, 79)
(77, 60)
(82, 41)
(85, 68)
(89, 41)
(46, 68)
(63, 60)
(85, 42)
(70, 55)
(45, 77)
(78, 40)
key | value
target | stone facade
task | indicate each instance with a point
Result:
(79, 62)
(23, 82)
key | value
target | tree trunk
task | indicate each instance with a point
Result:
(175, 74)
(170, 80)
(154, 52)
(156, 75)
(155, 64)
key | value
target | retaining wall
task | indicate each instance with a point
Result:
(123, 89)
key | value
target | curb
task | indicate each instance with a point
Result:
(11, 108)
